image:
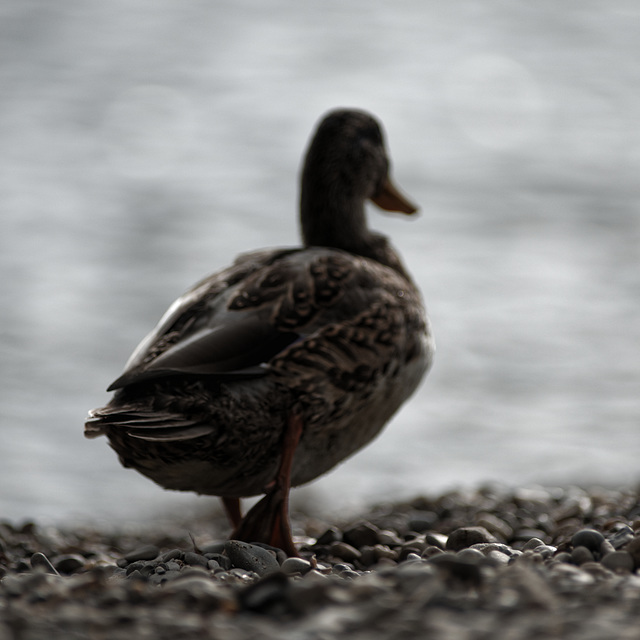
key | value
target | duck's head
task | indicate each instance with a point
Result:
(345, 165)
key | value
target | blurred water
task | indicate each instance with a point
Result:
(145, 143)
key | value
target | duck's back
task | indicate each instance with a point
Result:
(339, 339)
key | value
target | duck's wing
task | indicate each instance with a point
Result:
(298, 314)
(208, 331)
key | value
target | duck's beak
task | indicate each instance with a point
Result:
(390, 199)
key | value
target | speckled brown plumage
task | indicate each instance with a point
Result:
(326, 341)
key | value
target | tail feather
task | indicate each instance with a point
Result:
(145, 425)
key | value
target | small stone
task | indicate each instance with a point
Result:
(296, 565)
(344, 551)
(200, 589)
(251, 557)
(332, 534)
(222, 560)
(389, 538)
(622, 536)
(467, 536)
(431, 551)
(618, 561)
(367, 556)
(532, 543)
(606, 548)
(361, 534)
(243, 574)
(498, 558)
(633, 548)
(406, 551)
(589, 538)
(134, 566)
(266, 595)
(341, 566)
(470, 555)
(145, 552)
(173, 554)
(563, 556)
(349, 574)
(412, 557)
(460, 568)
(580, 555)
(195, 559)
(495, 525)
(212, 547)
(522, 535)
(40, 561)
(487, 547)
(436, 540)
(69, 563)
(546, 551)
(383, 551)
(418, 544)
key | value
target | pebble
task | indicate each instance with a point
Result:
(436, 540)
(580, 555)
(69, 563)
(389, 538)
(532, 543)
(623, 535)
(40, 561)
(293, 566)
(251, 557)
(466, 536)
(464, 569)
(145, 552)
(633, 548)
(267, 594)
(605, 548)
(333, 534)
(545, 550)
(361, 534)
(195, 559)
(618, 561)
(173, 554)
(400, 584)
(588, 538)
(495, 525)
(344, 551)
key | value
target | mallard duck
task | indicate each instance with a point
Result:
(267, 374)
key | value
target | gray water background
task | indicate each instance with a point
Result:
(143, 144)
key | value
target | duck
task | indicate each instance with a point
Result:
(270, 372)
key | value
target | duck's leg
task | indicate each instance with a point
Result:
(232, 509)
(268, 520)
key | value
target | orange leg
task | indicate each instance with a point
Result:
(232, 509)
(268, 520)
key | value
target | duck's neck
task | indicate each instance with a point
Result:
(332, 218)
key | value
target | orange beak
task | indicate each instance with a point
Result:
(390, 199)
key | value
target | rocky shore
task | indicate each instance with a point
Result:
(490, 563)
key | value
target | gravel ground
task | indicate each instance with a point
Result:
(515, 564)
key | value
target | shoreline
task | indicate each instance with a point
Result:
(521, 563)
